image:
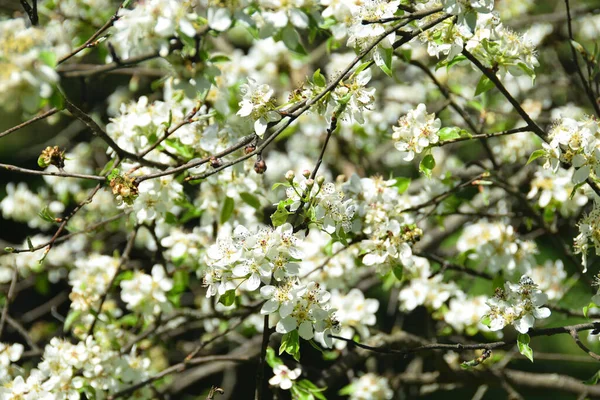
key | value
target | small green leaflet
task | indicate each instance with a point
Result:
(535, 155)
(483, 85)
(227, 210)
(523, 344)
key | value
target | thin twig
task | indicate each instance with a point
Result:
(122, 261)
(43, 115)
(584, 82)
(14, 168)
(9, 297)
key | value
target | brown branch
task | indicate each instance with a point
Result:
(124, 258)
(9, 297)
(91, 42)
(99, 132)
(46, 114)
(458, 347)
(584, 82)
(51, 173)
(178, 368)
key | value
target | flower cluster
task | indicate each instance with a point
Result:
(90, 279)
(589, 231)
(416, 131)
(257, 104)
(496, 246)
(146, 294)
(354, 313)
(9, 353)
(69, 369)
(27, 59)
(575, 142)
(518, 305)
(370, 387)
(149, 27)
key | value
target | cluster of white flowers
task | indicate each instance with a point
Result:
(27, 59)
(360, 35)
(371, 387)
(9, 353)
(333, 211)
(23, 205)
(389, 232)
(90, 279)
(422, 289)
(416, 131)
(518, 305)
(575, 142)
(494, 45)
(270, 256)
(69, 369)
(551, 278)
(258, 104)
(151, 25)
(354, 313)
(555, 190)
(464, 313)
(589, 231)
(146, 294)
(496, 247)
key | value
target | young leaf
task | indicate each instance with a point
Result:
(427, 165)
(227, 210)
(227, 298)
(535, 155)
(523, 343)
(483, 85)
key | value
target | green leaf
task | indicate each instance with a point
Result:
(449, 133)
(47, 215)
(483, 85)
(398, 271)
(319, 79)
(402, 184)
(384, 60)
(498, 281)
(427, 165)
(450, 63)
(227, 210)
(593, 380)
(346, 390)
(71, 317)
(219, 58)
(48, 58)
(180, 281)
(527, 70)
(523, 343)
(227, 298)
(587, 309)
(535, 155)
(250, 199)
(29, 244)
(278, 184)
(272, 359)
(279, 217)
(290, 344)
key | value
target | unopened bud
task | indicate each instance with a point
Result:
(215, 162)
(260, 166)
(320, 180)
(249, 149)
(306, 173)
(310, 183)
(289, 176)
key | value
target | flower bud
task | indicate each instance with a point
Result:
(260, 166)
(320, 180)
(249, 149)
(215, 162)
(310, 183)
(306, 173)
(289, 176)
